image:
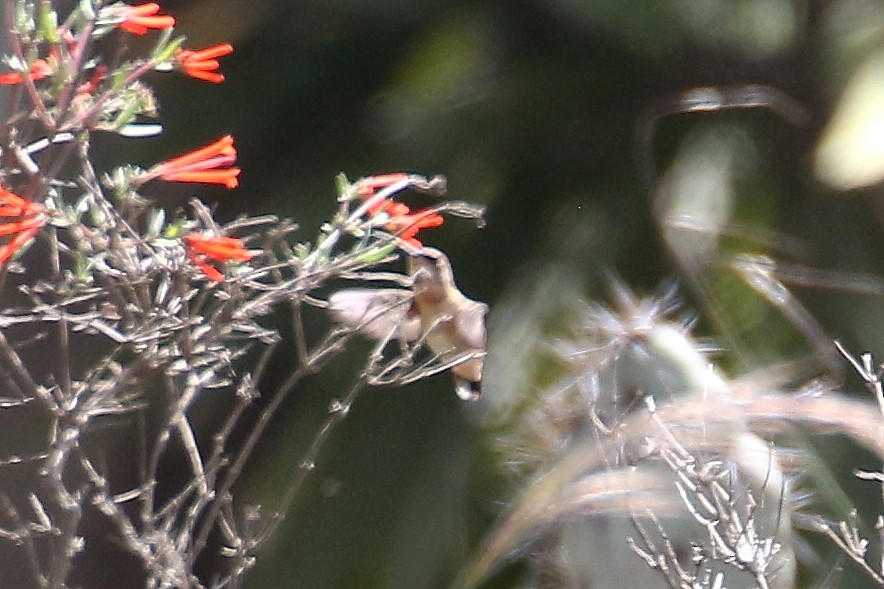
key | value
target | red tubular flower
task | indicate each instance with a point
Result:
(220, 249)
(17, 242)
(138, 19)
(205, 165)
(367, 186)
(28, 224)
(94, 81)
(409, 225)
(203, 64)
(39, 70)
(401, 220)
(391, 207)
(30, 218)
(12, 205)
(201, 248)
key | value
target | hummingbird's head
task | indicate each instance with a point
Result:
(430, 273)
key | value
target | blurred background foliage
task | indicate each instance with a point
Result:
(533, 108)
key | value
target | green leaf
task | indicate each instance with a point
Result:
(24, 18)
(165, 50)
(127, 115)
(343, 187)
(156, 221)
(850, 153)
(87, 9)
(174, 230)
(377, 254)
(48, 23)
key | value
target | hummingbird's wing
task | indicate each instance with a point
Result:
(376, 313)
(469, 322)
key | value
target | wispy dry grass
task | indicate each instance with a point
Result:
(645, 444)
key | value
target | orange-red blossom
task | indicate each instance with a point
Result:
(207, 165)
(365, 187)
(202, 247)
(401, 221)
(39, 70)
(138, 19)
(203, 64)
(31, 217)
(407, 226)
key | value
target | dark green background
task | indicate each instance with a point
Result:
(528, 107)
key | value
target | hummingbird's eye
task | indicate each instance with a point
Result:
(424, 275)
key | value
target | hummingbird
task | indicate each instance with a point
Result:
(433, 308)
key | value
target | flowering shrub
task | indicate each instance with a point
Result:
(113, 310)
(117, 314)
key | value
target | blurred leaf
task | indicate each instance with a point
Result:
(850, 153)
